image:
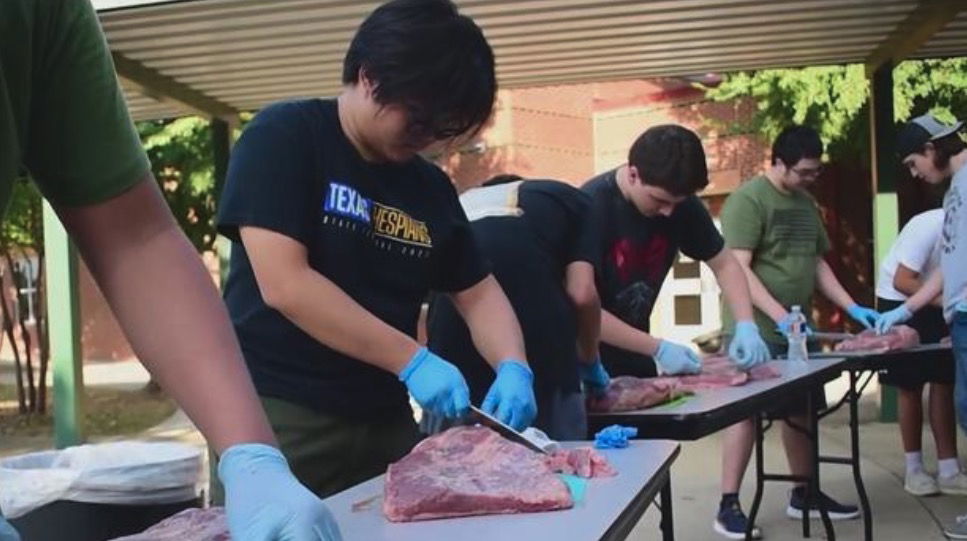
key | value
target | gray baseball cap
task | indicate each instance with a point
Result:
(919, 131)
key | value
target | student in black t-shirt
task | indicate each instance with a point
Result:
(537, 236)
(646, 212)
(339, 232)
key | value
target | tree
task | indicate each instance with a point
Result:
(181, 157)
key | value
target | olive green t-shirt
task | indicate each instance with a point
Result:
(63, 119)
(785, 233)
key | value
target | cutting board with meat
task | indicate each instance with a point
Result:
(899, 337)
(627, 393)
(468, 471)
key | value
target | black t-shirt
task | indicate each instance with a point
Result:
(530, 231)
(386, 234)
(637, 252)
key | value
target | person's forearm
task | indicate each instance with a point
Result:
(830, 286)
(735, 287)
(492, 322)
(324, 311)
(169, 309)
(581, 289)
(931, 289)
(619, 334)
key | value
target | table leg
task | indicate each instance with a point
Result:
(667, 520)
(813, 489)
(854, 430)
(759, 475)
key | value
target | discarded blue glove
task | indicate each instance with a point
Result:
(614, 437)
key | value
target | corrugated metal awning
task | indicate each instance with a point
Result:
(236, 55)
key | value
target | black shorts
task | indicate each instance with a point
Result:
(929, 322)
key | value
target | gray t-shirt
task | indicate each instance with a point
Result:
(954, 246)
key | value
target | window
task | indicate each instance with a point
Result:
(686, 268)
(688, 310)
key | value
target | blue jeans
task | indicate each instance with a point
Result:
(958, 337)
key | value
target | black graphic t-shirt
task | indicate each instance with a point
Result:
(530, 231)
(637, 253)
(386, 234)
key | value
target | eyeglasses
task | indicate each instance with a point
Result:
(808, 173)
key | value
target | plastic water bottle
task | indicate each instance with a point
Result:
(797, 336)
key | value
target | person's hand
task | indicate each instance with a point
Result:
(677, 359)
(7, 533)
(265, 502)
(511, 397)
(747, 348)
(436, 385)
(595, 377)
(893, 317)
(785, 326)
(867, 317)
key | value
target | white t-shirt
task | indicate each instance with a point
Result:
(954, 245)
(916, 248)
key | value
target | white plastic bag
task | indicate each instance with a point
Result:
(127, 472)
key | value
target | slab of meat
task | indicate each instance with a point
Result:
(188, 525)
(626, 393)
(899, 337)
(470, 471)
(583, 462)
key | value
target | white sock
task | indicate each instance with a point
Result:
(915, 461)
(948, 467)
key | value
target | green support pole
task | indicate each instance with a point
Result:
(885, 210)
(63, 312)
(221, 150)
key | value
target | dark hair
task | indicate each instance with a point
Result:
(505, 178)
(425, 56)
(796, 143)
(671, 157)
(944, 149)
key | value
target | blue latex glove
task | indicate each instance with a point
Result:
(614, 437)
(866, 317)
(893, 317)
(437, 385)
(595, 377)
(747, 348)
(785, 326)
(7, 533)
(264, 501)
(511, 397)
(677, 359)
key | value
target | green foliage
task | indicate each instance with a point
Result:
(834, 99)
(181, 157)
(23, 223)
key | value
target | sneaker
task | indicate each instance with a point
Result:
(920, 483)
(955, 486)
(731, 522)
(836, 510)
(956, 529)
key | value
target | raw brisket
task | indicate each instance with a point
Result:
(899, 337)
(583, 462)
(470, 471)
(188, 525)
(627, 393)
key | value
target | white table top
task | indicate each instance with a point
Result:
(604, 502)
(706, 401)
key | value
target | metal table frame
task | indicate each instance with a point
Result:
(869, 362)
(670, 423)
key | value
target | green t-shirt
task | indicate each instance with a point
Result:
(785, 234)
(63, 119)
